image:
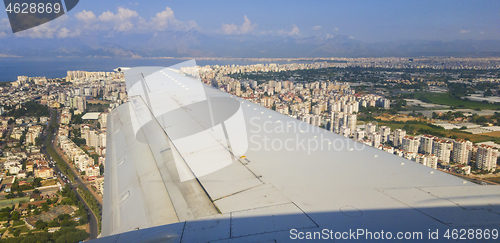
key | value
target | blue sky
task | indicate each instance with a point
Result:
(257, 28)
(368, 21)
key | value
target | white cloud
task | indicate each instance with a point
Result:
(166, 20)
(49, 30)
(336, 29)
(317, 27)
(246, 27)
(163, 19)
(121, 21)
(126, 20)
(123, 14)
(464, 31)
(65, 33)
(89, 19)
(295, 31)
(86, 16)
(481, 32)
(8, 55)
(4, 24)
(229, 28)
(3, 34)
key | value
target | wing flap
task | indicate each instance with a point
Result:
(145, 187)
(440, 204)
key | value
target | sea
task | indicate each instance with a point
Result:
(11, 67)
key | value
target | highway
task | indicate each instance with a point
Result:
(93, 220)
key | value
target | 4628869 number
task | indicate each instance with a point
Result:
(471, 234)
(33, 8)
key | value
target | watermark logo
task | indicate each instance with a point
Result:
(26, 14)
(206, 129)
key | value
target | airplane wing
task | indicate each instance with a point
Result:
(189, 163)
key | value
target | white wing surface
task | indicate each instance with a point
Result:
(189, 163)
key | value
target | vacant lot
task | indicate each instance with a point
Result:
(492, 134)
(475, 138)
(49, 182)
(493, 179)
(447, 99)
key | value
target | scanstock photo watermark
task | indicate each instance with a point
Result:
(26, 14)
(293, 135)
(366, 234)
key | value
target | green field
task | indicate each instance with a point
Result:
(12, 201)
(447, 99)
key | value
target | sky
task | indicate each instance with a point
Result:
(367, 21)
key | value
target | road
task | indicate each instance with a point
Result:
(471, 179)
(93, 220)
(3, 143)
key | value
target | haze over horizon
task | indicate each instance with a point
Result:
(280, 29)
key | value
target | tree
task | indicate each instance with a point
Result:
(45, 207)
(37, 182)
(38, 141)
(488, 92)
(53, 223)
(63, 216)
(101, 169)
(15, 185)
(481, 120)
(37, 211)
(16, 232)
(83, 220)
(96, 158)
(40, 225)
(15, 216)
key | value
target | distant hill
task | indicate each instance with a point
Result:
(196, 44)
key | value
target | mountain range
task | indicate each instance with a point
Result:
(196, 44)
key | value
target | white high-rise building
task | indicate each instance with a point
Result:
(432, 161)
(428, 160)
(370, 128)
(316, 120)
(360, 134)
(336, 106)
(385, 132)
(345, 131)
(103, 118)
(81, 104)
(461, 151)
(399, 134)
(376, 138)
(486, 157)
(442, 149)
(352, 120)
(410, 144)
(426, 142)
(102, 140)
